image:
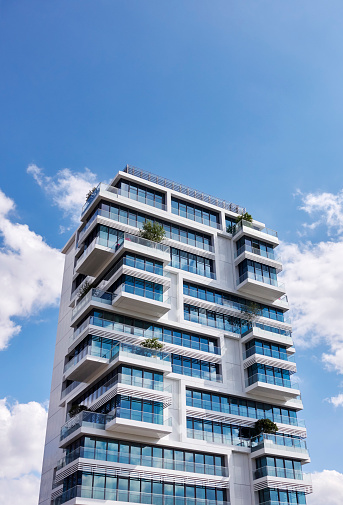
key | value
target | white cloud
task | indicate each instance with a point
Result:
(22, 434)
(30, 272)
(328, 207)
(68, 190)
(337, 401)
(313, 273)
(327, 488)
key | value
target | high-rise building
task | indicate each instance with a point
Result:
(172, 356)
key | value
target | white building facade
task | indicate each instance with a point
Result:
(173, 426)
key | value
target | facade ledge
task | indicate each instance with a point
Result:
(270, 361)
(280, 483)
(259, 259)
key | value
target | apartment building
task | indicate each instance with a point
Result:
(174, 425)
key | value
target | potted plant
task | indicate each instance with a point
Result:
(152, 231)
(90, 192)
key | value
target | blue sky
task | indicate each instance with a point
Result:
(240, 99)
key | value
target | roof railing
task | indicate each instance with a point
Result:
(185, 190)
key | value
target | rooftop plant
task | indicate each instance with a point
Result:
(244, 217)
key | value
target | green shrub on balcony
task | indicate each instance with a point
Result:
(152, 231)
(244, 217)
(264, 426)
(152, 343)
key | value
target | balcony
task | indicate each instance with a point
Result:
(143, 300)
(252, 230)
(259, 255)
(89, 361)
(97, 254)
(279, 445)
(139, 460)
(84, 364)
(256, 285)
(271, 386)
(139, 355)
(219, 408)
(198, 374)
(282, 473)
(95, 297)
(113, 495)
(269, 333)
(120, 420)
(101, 189)
(218, 438)
(269, 357)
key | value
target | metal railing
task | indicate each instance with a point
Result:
(99, 493)
(149, 461)
(258, 251)
(270, 441)
(260, 278)
(239, 226)
(270, 379)
(268, 352)
(283, 473)
(185, 190)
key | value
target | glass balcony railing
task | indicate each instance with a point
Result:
(268, 352)
(270, 379)
(69, 389)
(99, 421)
(266, 330)
(149, 461)
(122, 495)
(144, 292)
(265, 254)
(239, 226)
(89, 350)
(283, 473)
(101, 186)
(242, 411)
(145, 354)
(199, 374)
(95, 294)
(260, 278)
(129, 380)
(270, 441)
(154, 269)
(218, 438)
(146, 333)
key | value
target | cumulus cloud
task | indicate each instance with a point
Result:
(327, 207)
(30, 272)
(67, 189)
(337, 401)
(22, 433)
(313, 273)
(327, 488)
